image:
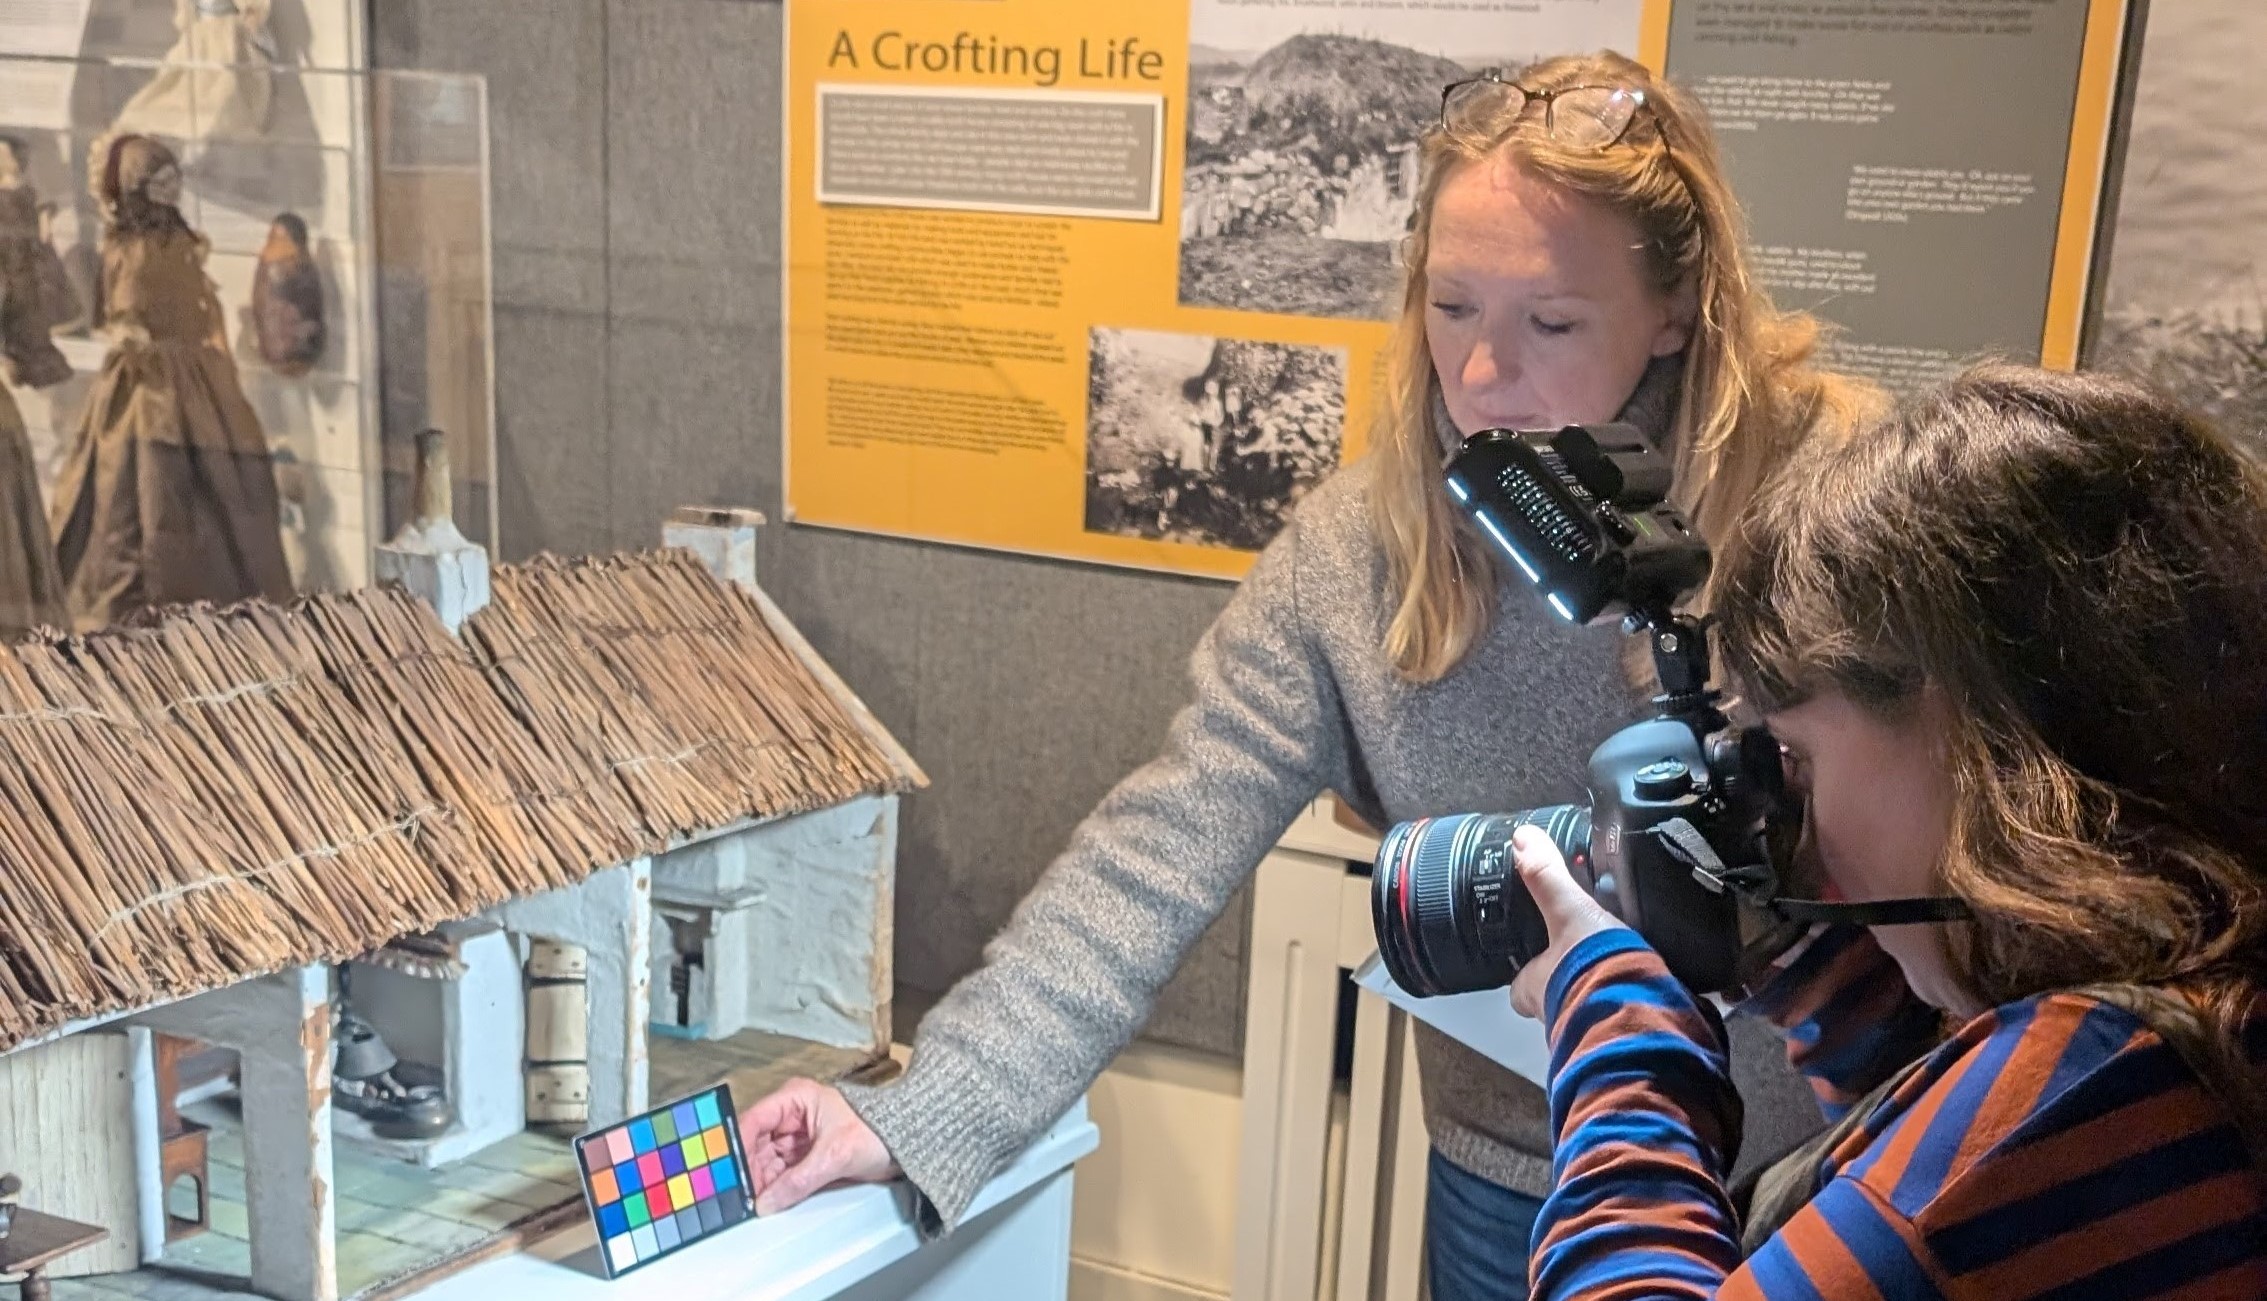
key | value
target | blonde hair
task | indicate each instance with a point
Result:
(1748, 395)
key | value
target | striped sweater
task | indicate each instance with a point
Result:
(2053, 1147)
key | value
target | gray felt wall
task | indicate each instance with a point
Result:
(636, 184)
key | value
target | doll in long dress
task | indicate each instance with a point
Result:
(169, 491)
(31, 587)
(21, 212)
(215, 81)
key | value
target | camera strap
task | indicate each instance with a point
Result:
(1687, 845)
(1876, 912)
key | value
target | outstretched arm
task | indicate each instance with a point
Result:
(1080, 964)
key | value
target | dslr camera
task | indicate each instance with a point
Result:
(1686, 810)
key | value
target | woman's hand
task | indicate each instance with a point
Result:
(803, 1137)
(1568, 910)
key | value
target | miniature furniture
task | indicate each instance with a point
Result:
(182, 1152)
(69, 1135)
(34, 1240)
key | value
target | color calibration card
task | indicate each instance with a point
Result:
(665, 1179)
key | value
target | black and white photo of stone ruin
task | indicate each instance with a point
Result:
(1301, 173)
(1207, 441)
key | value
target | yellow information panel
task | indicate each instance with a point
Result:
(1106, 282)
(1112, 283)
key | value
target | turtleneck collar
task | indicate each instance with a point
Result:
(1651, 409)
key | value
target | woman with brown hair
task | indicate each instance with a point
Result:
(168, 493)
(2013, 643)
(1575, 256)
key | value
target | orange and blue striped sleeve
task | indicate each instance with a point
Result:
(1849, 1019)
(1645, 1121)
(2055, 1147)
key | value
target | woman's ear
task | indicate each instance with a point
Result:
(1684, 309)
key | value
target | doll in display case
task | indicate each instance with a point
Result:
(21, 212)
(216, 81)
(31, 587)
(168, 493)
(286, 319)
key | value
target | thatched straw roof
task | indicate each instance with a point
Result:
(679, 690)
(225, 793)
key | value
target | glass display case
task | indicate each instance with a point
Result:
(345, 221)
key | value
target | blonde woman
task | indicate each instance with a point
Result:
(1575, 257)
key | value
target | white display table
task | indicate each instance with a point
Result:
(856, 1244)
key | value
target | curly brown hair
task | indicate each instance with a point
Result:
(2080, 565)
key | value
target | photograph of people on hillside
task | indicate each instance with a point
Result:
(1210, 441)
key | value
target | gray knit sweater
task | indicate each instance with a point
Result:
(1294, 696)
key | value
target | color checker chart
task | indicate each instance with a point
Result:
(665, 1179)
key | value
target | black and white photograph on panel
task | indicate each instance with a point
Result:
(1203, 440)
(1304, 124)
(2185, 305)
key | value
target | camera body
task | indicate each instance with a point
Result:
(1683, 805)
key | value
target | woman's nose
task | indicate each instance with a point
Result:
(1490, 363)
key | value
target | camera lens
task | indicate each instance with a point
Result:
(1451, 913)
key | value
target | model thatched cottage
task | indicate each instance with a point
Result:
(474, 795)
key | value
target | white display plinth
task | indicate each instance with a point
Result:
(849, 1244)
